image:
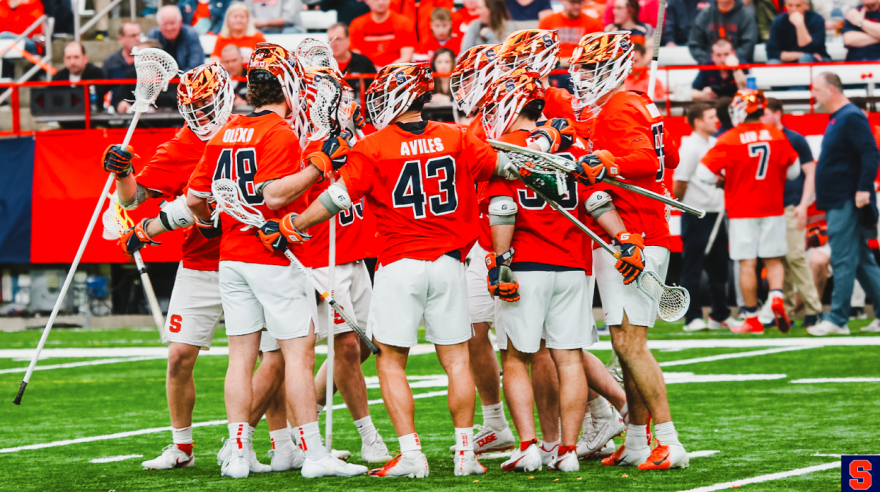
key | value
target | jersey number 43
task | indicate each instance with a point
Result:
(240, 166)
(410, 186)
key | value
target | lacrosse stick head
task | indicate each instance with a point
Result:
(324, 102)
(506, 98)
(599, 64)
(113, 221)
(395, 89)
(228, 199)
(315, 54)
(154, 69)
(549, 181)
(205, 99)
(673, 302)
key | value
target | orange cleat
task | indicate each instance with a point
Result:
(666, 457)
(750, 325)
(627, 457)
(782, 320)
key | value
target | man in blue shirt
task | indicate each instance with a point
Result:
(181, 42)
(797, 197)
(797, 35)
(845, 191)
(861, 32)
(709, 85)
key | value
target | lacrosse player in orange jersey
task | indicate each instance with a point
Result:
(258, 285)
(630, 134)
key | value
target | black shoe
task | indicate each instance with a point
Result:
(857, 313)
(810, 320)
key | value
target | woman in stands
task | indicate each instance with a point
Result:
(492, 27)
(442, 63)
(238, 29)
(626, 18)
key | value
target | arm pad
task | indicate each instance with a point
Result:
(140, 196)
(501, 167)
(599, 203)
(335, 198)
(502, 211)
(176, 214)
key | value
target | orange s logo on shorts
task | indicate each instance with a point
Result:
(174, 323)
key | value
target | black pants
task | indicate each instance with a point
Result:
(695, 234)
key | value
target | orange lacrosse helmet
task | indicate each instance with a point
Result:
(534, 49)
(506, 98)
(205, 99)
(330, 102)
(744, 103)
(476, 68)
(272, 62)
(599, 64)
(395, 89)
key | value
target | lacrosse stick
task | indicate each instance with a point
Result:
(229, 200)
(116, 222)
(315, 54)
(154, 69)
(658, 36)
(568, 166)
(672, 301)
(714, 233)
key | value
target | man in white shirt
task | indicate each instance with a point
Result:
(697, 234)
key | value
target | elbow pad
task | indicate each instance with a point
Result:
(140, 196)
(502, 211)
(335, 199)
(599, 203)
(176, 214)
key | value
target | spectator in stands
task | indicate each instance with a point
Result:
(383, 36)
(181, 42)
(697, 233)
(571, 24)
(276, 16)
(442, 63)
(637, 80)
(346, 10)
(528, 10)
(680, 15)
(420, 13)
(647, 12)
(494, 25)
(119, 62)
(76, 65)
(845, 178)
(16, 16)
(797, 197)
(218, 14)
(594, 9)
(461, 18)
(626, 18)
(442, 36)
(232, 61)
(712, 84)
(238, 29)
(724, 19)
(861, 32)
(797, 35)
(196, 13)
(349, 62)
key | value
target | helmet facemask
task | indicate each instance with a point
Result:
(395, 89)
(205, 99)
(596, 71)
(506, 98)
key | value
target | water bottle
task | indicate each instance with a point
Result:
(751, 83)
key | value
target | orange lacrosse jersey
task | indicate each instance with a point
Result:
(570, 30)
(418, 13)
(557, 104)
(461, 19)
(355, 229)
(381, 42)
(543, 239)
(418, 179)
(631, 128)
(754, 158)
(250, 150)
(167, 174)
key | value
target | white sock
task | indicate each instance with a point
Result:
(587, 425)
(601, 409)
(281, 440)
(294, 434)
(464, 438)
(251, 431)
(182, 436)
(550, 446)
(636, 437)
(666, 433)
(238, 434)
(366, 429)
(493, 416)
(310, 441)
(410, 446)
(774, 293)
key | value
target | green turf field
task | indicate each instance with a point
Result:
(743, 411)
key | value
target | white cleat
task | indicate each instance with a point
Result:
(696, 325)
(236, 465)
(490, 440)
(341, 455)
(765, 315)
(466, 463)
(286, 461)
(625, 456)
(548, 455)
(401, 466)
(329, 466)
(376, 451)
(528, 460)
(171, 457)
(566, 463)
(826, 327)
(607, 450)
(724, 325)
(602, 432)
(873, 327)
(228, 450)
(225, 450)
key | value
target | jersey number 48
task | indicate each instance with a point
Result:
(242, 172)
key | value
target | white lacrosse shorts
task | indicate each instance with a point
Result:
(617, 298)
(268, 343)
(277, 297)
(408, 290)
(757, 238)
(481, 305)
(353, 292)
(195, 308)
(551, 306)
(590, 324)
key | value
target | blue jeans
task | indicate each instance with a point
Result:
(850, 259)
(805, 58)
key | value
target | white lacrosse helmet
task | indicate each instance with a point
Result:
(315, 54)
(205, 99)
(599, 64)
(475, 70)
(534, 49)
(507, 97)
(270, 61)
(395, 89)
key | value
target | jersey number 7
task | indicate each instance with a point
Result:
(242, 171)
(762, 151)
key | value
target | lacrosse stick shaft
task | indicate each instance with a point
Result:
(714, 233)
(658, 36)
(656, 196)
(150, 294)
(331, 355)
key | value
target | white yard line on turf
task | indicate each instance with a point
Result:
(712, 358)
(79, 364)
(767, 478)
(111, 459)
(836, 380)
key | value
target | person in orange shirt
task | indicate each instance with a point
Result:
(442, 35)
(419, 12)
(17, 15)
(463, 17)
(637, 80)
(238, 29)
(383, 36)
(571, 24)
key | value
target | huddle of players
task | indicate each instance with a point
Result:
(417, 179)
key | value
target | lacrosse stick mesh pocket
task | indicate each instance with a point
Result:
(673, 302)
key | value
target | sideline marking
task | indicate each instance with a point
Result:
(80, 364)
(767, 478)
(111, 459)
(837, 380)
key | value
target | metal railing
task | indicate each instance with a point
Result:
(48, 24)
(79, 9)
